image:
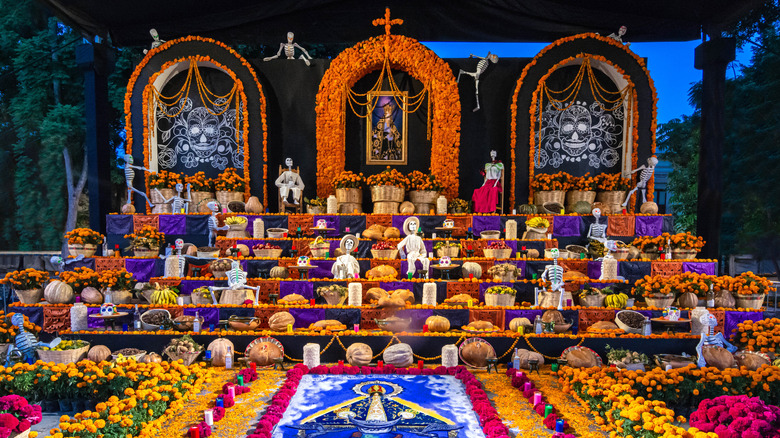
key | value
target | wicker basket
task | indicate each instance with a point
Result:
(543, 196)
(384, 253)
(498, 253)
(621, 253)
(87, 250)
(187, 358)
(562, 253)
(506, 277)
(612, 200)
(386, 207)
(198, 299)
(146, 253)
(684, 254)
(197, 199)
(158, 197)
(311, 209)
(319, 250)
(575, 196)
(448, 251)
(660, 301)
(349, 196)
(500, 300)
(268, 253)
(236, 297)
(64, 356)
(625, 327)
(350, 208)
(490, 234)
(224, 198)
(237, 231)
(749, 301)
(29, 296)
(150, 311)
(120, 296)
(423, 196)
(387, 194)
(592, 300)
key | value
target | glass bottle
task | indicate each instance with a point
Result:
(711, 297)
(137, 319)
(197, 322)
(229, 359)
(538, 325)
(647, 329)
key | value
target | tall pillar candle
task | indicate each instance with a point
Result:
(333, 205)
(511, 229)
(449, 356)
(355, 294)
(258, 229)
(172, 267)
(311, 355)
(429, 294)
(78, 316)
(441, 205)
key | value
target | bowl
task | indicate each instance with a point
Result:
(624, 326)
(490, 234)
(183, 323)
(243, 323)
(276, 233)
(145, 315)
(393, 325)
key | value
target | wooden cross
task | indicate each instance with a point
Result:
(387, 22)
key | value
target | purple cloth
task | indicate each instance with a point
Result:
(418, 317)
(187, 286)
(393, 285)
(210, 315)
(398, 222)
(511, 314)
(119, 224)
(566, 226)
(332, 221)
(304, 288)
(732, 319)
(173, 223)
(485, 286)
(649, 225)
(417, 264)
(707, 268)
(72, 264)
(306, 317)
(485, 223)
(321, 269)
(143, 269)
(594, 269)
(645, 313)
(94, 322)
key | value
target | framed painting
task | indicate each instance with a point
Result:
(386, 128)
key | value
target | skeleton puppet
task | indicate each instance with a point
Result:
(597, 231)
(214, 223)
(289, 50)
(236, 278)
(25, 343)
(346, 265)
(644, 177)
(412, 247)
(290, 181)
(157, 42)
(709, 340)
(482, 65)
(178, 204)
(554, 274)
(130, 176)
(619, 37)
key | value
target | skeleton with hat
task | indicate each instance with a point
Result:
(346, 265)
(412, 247)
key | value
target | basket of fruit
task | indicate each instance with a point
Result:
(319, 248)
(220, 267)
(184, 349)
(498, 249)
(67, 351)
(267, 250)
(237, 227)
(128, 353)
(383, 250)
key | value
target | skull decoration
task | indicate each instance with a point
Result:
(107, 309)
(449, 223)
(203, 133)
(303, 261)
(555, 253)
(575, 130)
(445, 261)
(671, 313)
(179, 244)
(322, 223)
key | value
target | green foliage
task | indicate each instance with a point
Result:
(678, 143)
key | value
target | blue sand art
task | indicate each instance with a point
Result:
(379, 406)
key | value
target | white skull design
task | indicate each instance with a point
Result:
(445, 261)
(575, 130)
(203, 132)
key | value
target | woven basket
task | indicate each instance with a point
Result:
(490, 234)
(349, 196)
(268, 253)
(387, 194)
(236, 297)
(749, 301)
(506, 277)
(319, 250)
(384, 253)
(276, 233)
(237, 231)
(146, 253)
(158, 199)
(612, 200)
(386, 207)
(543, 196)
(500, 300)
(197, 199)
(684, 254)
(87, 250)
(187, 358)
(620, 254)
(449, 251)
(198, 299)
(575, 196)
(29, 296)
(592, 300)
(224, 198)
(498, 253)
(423, 196)
(350, 208)
(649, 255)
(65, 356)
(660, 301)
(311, 209)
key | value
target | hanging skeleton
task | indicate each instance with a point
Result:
(214, 223)
(25, 343)
(644, 178)
(236, 278)
(156, 41)
(482, 65)
(130, 176)
(178, 204)
(289, 50)
(619, 36)
(554, 274)
(710, 339)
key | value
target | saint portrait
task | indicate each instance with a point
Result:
(386, 129)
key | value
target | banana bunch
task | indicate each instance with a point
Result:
(616, 301)
(164, 296)
(235, 220)
(776, 362)
(537, 222)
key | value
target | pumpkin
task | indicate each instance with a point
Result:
(58, 292)
(471, 268)
(481, 325)
(375, 293)
(437, 323)
(718, 357)
(264, 353)
(533, 253)
(725, 299)
(526, 209)
(392, 233)
(151, 358)
(279, 272)
(382, 271)
(394, 301)
(404, 294)
(359, 354)
(399, 355)
(90, 295)
(649, 207)
(406, 207)
(98, 353)
(553, 316)
(278, 321)
(518, 322)
(582, 358)
(688, 300)
(253, 206)
(751, 360)
(603, 325)
(476, 353)
(218, 348)
(524, 356)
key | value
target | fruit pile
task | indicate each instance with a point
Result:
(497, 244)
(382, 245)
(266, 246)
(235, 220)
(616, 301)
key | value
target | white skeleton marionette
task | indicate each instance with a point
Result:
(290, 181)
(554, 274)
(130, 176)
(644, 177)
(412, 247)
(597, 231)
(346, 266)
(236, 278)
(619, 36)
(214, 223)
(157, 42)
(482, 65)
(289, 50)
(178, 203)
(709, 339)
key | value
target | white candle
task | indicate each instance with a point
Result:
(208, 417)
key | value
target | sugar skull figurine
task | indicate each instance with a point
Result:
(445, 261)
(303, 261)
(322, 223)
(449, 223)
(107, 309)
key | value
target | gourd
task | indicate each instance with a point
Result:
(471, 268)
(649, 207)
(279, 272)
(518, 322)
(243, 249)
(399, 355)
(582, 358)
(359, 354)
(128, 209)
(476, 353)
(524, 356)
(725, 299)
(437, 323)
(718, 357)
(278, 321)
(392, 233)
(553, 316)
(58, 292)
(688, 300)
(264, 353)
(403, 294)
(151, 358)
(253, 205)
(98, 353)
(218, 349)
(581, 207)
(90, 295)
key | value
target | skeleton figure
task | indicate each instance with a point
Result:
(709, 339)
(482, 65)
(178, 204)
(214, 223)
(25, 343)
(412, 247)
(130, 176)
(236, 278)
(597, 231)
(554, 274)
(157, 42)
(289, 50)
(290, 181)
(644, 177)
(59, 261)
(346, 265)
(619, 37)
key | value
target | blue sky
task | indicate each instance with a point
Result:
(670, 65)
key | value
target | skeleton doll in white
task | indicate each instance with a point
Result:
(290, 181)
(554, 274)
(236, 278)
(412, 247)
(130, 176)
(644, 177)
(482, 65)
(178, 203)
(214, 223)
(709, 339)
(346, 265)
(289, 50)
(597, 231)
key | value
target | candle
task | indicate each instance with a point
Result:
(294, 248)
(240, 383)
(180, 301)
(194, 432)
(355, 211)
(514, 211)
(559, 426)
(521, 329)
(624, 211)
(125, 327)
(547, 410)
(425, 328)
(568, 303)
(208, 354)
(182, 211)
(357, 235)
(471, 275)
(523, 247)
(357, 328)
(419, 364)
(470, 229)
(219, 403)
(519, 374)
(346, 229)
(433, 235)
(409, 275)
(379, 364)
(341, 363)
(537, 398)
(311, 301)
(470, 302)
(232, 390)
(563, 211)
(253, 366)
(554, 367)
(208, 417)
(432, 212)
(289, 328)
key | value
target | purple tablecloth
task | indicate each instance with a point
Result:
(485, 223)
(734, 318)
(393, 285)
(305, 317)
(649, 225)
(304, 288)
(511, 314)
(566, 226)
(332, 221)
(210, 315)
(707, 268)
(143, 269)
(173, 223)
(594, 269)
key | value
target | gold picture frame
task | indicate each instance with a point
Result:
(386, 142)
